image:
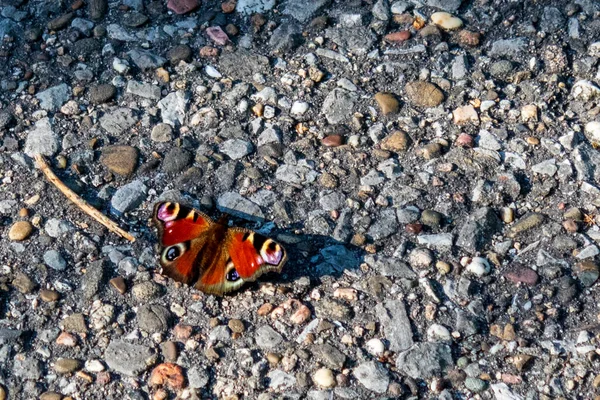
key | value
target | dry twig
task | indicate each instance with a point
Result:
(85, 207)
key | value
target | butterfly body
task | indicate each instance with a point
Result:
(210, 255)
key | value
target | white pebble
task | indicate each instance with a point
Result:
(446, 20)
(94, 366)
(299, 108)
(121, 66)
(375, 347)
(479, 266)
(438, 333)
(324, 378)
(592, 131)
(212, 72)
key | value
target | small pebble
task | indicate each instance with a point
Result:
(20, 231)
(324, 378)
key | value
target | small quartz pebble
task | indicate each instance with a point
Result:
(479, 266)
(20, 231)
(446, 20)
(324, 378)
(375, 347)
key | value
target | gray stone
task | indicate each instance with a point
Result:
(92, 280)
(280, 380)
(145, 90)
(446, 5)
(173, 108)
(84, 26)
(459, 67)
(250, 7)
(466, 324)
(511, 48)
(234, 204)
(488, 141)
(396, 325)
(8, 335)
(176, 160)
(118, 121)
(128, 197)
(146, 60)
(438, 241)
(547, 167)
(145, 291)
(117, 32)
(27, 367)
(388, 266)
(267, 338)
(475, 385)
(42, 139)
(384, 226)
(552, 20)
(162, 133)
(303, 10)
(298, 174)
(127, 358)
(55, 260)
(57, 227)
(198, 377)
(425, 360)
(381, 10)
(373, 375)
(9, 28)
(339, 105)
(337, 258)
(236, 148)
(357, 40)
(329, 356)
(286, 37)
(478, 229)
(154, 318)
(220, 333)
(332, 200)
(53, 98)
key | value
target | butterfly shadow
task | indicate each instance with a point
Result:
(315, 256)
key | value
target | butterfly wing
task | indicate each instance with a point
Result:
(244, 256)
(183, 232)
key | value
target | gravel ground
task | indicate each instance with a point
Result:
(431, 167)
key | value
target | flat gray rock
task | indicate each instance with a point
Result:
(233, 203)
(425, 360)
(173, 108)
(128, 358)
(396, 325)
(42, 139)
(250, 7)
(339, 105)
(146, 60)
(145, 90)
(236, 148)
(267, 338)
(118, 121)
(372, 375)
(128, 197)
(303, 10)
(53, 98)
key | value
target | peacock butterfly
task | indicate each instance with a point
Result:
(209, 255)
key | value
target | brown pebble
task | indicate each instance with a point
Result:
(168, 375)
(265, 309)
(397, 141)
(397, 37)
(521, 361)
(169, 351)
(273, 358)
(119, 284)
(77, 4)
(236, 325)
(232, 30)
(533, 140)
(66, 365)
(23, 212)
(388, 103)
(48, 295)
(50, 396)
(465, 140)
(570, 226)
(103, 378)
(212, 354)
(2, 393)
(332, 141)
(208, 52)
(20, 231)
(257, 21)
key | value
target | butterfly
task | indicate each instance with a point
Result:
(209, 255)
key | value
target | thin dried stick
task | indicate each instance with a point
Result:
(85, 207)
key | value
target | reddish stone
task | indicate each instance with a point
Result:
(522, 275)
(77, 4)
(511, 379)
(216, 34)
(228, 6)
(469, 39)
(332, 141)
(169, 375)
(182, 332)
(465, 140)
(182, 6)
(397, 37)
(414, 228)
